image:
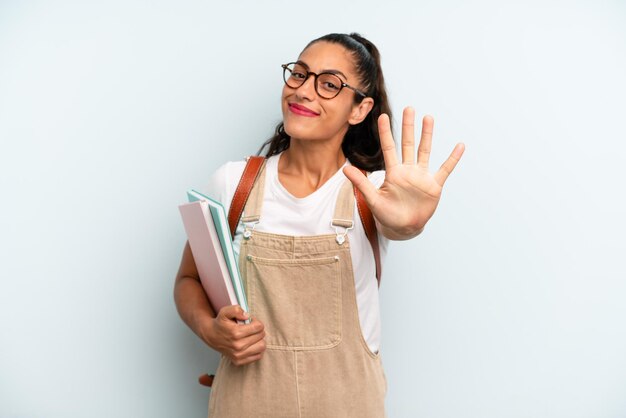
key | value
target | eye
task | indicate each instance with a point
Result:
(298, 72)
(329, 82)
(298, 75)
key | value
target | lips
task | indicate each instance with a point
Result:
(302, 110)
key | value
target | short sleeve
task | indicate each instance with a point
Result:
(223, 182)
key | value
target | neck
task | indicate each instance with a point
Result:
(305, 166)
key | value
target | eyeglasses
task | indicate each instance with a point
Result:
(327, 85)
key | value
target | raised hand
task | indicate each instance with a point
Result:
(410, 193)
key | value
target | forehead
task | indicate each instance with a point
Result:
(325, 56)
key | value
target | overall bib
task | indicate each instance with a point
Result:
(317, 364)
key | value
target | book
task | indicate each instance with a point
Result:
(209, 237)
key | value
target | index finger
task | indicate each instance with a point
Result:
(387, 145)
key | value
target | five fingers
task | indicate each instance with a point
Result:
(408, 145)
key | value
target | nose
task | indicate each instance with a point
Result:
(307, 89)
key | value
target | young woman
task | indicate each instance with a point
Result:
(311, 349)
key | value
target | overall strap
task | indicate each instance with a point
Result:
(344, 207)
(342, 219)
(251, 172)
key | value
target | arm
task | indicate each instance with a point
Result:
(410, 194)
(243, 344)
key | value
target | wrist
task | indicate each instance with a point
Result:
(401, 234)
(203, 326)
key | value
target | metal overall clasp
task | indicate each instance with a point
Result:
(248, 227)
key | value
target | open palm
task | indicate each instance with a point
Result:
(410, 193)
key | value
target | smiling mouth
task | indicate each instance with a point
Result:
(301, 110)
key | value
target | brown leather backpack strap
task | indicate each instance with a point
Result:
(250, 173)
(369, 224)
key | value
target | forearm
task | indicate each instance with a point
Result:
(192, 303)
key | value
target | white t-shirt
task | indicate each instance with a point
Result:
(282, 213)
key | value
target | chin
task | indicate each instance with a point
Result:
(301, 135)
(296, 130)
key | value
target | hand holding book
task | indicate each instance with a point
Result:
(231, 332)
(243, 344)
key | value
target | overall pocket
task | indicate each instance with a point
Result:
(298, 301)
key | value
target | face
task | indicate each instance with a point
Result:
(307, 116)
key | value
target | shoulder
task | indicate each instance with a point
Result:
(228, 173)
(223, 182)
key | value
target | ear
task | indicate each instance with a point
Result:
(360, 111)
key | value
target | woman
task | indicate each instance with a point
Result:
(311, 349)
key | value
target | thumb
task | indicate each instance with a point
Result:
(233, 312)
(360, 181)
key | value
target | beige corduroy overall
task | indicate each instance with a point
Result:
(317, 363)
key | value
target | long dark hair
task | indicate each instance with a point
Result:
(361, 144)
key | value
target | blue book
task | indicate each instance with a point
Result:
(220, 220)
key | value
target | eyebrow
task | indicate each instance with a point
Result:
(336, 72)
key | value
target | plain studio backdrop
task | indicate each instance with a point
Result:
(512, 303)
